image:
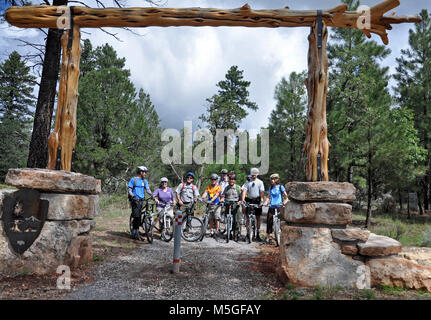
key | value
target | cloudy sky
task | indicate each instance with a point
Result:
(180, 67)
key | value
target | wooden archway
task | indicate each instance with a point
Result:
(316, 145)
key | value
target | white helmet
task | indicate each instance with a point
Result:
(164, 179)
(254, 171)
(141, 168)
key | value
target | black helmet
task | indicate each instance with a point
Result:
(223, 171)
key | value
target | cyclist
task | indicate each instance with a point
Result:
(213, 192)
(164, 196)
(187, 193)
(223, 180)
(244, 186)
(232, 196)
(276, 192)
(253, 193)
(136, 188)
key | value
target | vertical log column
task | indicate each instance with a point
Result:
(317, 86)
(64, 134)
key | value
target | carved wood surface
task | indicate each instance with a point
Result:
(64, 134)
(47, 17)
(317, 86)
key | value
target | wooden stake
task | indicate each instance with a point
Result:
(64, 134)
(316, 140)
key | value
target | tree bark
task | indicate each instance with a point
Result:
(46, 16)
(316, 140)
(64, 134)
(421, 209)
(38, 150)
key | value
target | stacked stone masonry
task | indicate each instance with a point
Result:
(64, 237)
(319, 248)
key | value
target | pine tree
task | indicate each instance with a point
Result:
(287, 128)
(16, 99)
(414, 90)
(117, 129)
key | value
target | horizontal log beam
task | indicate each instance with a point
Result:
(48, 17)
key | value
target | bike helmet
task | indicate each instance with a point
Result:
(191, 174)
(249, 177)
(254, 171)
(232, 176)
(164, 179)
(141, 168)
(224, 171)
(214, 176)
(274, 176)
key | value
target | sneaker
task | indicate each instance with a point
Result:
(258, 238)
(212, 234)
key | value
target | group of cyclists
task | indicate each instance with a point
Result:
(222, 192)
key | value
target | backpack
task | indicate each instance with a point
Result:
(184, 185)
(237, 189)
(279, 188)
(134, 185)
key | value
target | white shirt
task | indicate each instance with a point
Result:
(254, 188)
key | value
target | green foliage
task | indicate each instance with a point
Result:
(118, 128)
(413, 90)
(426, 242)
(16, 99)
(229, 106)
(287, 128)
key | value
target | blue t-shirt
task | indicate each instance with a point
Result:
(139, 188)
(276, 197)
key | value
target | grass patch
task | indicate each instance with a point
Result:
(415, 231)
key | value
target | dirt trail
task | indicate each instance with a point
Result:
(211, 269)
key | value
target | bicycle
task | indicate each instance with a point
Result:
(229, 222)
(146, 210)
(191, 229)
(165, 225)
(276, 224)
(205, 218)
(252, 221)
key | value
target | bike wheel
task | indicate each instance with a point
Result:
(254, 228)
(204, 228)
(250, 230)
(168, 229)
(148, 224)
(277, 231)
(191, 229)
(222, 223)
(228, 228)
(131, 224)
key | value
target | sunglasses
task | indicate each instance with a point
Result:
(213, 179)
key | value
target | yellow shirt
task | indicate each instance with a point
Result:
(214, 191)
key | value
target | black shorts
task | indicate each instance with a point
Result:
(257, 211)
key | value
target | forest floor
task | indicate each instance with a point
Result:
(134, 269)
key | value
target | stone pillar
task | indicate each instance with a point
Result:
(317, 248)
(61, 232)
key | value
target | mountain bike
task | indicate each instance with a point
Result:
(276, 226)
(229, 221)
(252, 221)
(191, 229)
(205, 217)
(147, 208)
(276, 223)
(163, 223)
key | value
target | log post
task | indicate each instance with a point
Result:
(64, 134)
(316, 140)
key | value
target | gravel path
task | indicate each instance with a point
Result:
(210, 269)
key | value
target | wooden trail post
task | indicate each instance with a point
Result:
(316, 144)
(64, 134)
(316, 141)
